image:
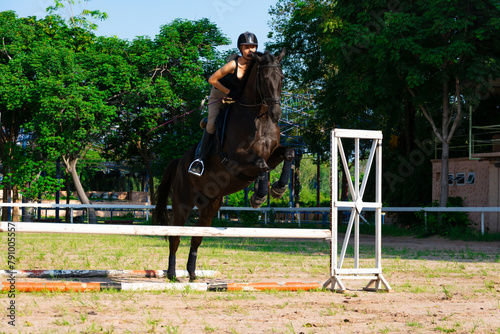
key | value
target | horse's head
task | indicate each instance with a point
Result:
(269, 81)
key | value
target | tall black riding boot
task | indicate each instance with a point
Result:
(197, 167)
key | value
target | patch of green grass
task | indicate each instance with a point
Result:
(151, 323)
(445, 329)
(415, 324)
(210, 329)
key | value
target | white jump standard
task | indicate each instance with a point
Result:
(337, 273)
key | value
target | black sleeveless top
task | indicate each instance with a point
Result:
(231, 81)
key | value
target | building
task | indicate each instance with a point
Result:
(477, 181)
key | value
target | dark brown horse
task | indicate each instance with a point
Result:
(251, 148)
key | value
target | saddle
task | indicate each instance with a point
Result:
(220, 124)
(220, 131)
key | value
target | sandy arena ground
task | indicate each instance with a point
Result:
(431, 295)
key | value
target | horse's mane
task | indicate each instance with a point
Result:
(266, 58)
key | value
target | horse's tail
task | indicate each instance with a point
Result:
(163, 193)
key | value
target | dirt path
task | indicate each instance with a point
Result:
(439, 286)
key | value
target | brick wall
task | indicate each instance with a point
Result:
(482, 193)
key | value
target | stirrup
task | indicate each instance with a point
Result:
(195, 172)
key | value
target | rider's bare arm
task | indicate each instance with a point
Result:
(220, 73)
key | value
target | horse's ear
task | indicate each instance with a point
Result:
(282, 54)
(256, 57)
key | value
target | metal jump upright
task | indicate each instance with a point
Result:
(356, 192)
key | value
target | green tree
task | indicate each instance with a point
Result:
(450, 45)
(375, 60)
(19, 101)
(168, 80)
(73, 81)
(77, 13)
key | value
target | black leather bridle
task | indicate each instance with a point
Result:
(265, 101)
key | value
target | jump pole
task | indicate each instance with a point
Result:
(70, 273)
(190, 231)
(97, 286)
(337, 272)
(146, 286)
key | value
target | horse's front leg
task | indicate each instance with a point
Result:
(207, 212)
(279, 154)
(260, 195)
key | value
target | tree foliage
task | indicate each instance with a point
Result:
(167, 80)
(22, 39)
(67, 91)
(77, 13)
(401, 66)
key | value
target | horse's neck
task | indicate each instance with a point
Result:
(249, 93)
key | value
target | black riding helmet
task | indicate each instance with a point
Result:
(247, 38)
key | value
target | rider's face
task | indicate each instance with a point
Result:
(247, 50)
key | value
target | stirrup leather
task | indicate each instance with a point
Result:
(190, 169)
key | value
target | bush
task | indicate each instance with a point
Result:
(249, 217)
(449, 222)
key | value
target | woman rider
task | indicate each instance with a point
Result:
(228, 81)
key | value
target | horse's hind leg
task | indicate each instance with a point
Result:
(173, 245)
(180, 212)
(207, 212)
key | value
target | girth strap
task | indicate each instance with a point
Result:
(228, 163)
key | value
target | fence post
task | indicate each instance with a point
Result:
(482, 223)
(425, 220)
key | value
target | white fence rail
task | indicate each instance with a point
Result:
(266, 211)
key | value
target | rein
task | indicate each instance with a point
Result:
(175, 118)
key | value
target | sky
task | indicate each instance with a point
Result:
(128, 19)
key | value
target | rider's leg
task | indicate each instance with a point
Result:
(197, 167)
(215, 101)
(214, 105)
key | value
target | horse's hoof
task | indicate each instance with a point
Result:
(172, 279)
(192, 277)
(277, 191)
(256, 201)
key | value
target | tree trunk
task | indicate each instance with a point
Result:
(446, 133)
(6, 199)
(446, 146)
(143, 152)
(68, 199)
(151, 185)
(15, 199)
(443, 199)
(70, 164)
(409, 130)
